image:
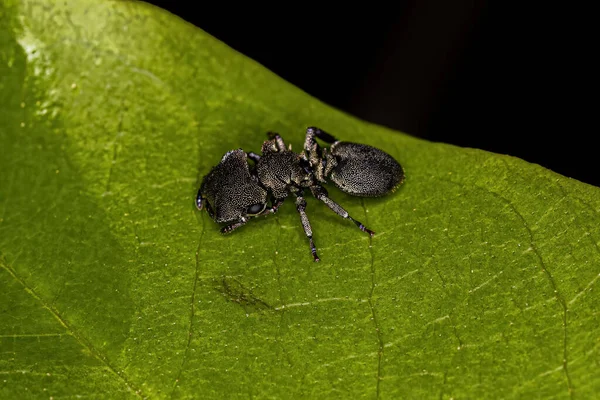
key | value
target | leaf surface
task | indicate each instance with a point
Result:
(481, 280)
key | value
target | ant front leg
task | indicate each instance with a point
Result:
(231, 227)
(274, 207)
(301, 207)
(321, 194)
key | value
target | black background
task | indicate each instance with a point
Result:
(508, 78)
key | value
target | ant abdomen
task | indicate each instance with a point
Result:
(363, 170)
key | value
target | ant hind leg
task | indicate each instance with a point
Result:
(321, 194)
(321, 134)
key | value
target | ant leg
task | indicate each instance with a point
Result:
(273, 209)
(278, 140)
(321, 193)
(321, 134)
(301, 207)
(312, 151)
(253, 156)
(230, 228)
(210, 211)
(310, 144)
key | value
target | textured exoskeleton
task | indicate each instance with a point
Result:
(282, 171)
(357, 169)
(230, 193)
(233, 192)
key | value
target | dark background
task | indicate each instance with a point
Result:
(495, 76)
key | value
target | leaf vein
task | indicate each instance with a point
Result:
(555, 290)
(372, 307)
(588, 287)
(192, 310)
(82, 340)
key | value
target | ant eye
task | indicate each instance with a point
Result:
(256, 209)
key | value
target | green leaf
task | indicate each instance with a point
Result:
(481, 280)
